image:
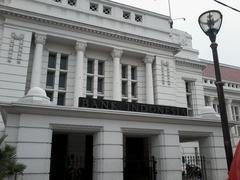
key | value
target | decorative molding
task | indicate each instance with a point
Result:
(80, 46)
(117, 53)
(165, 72)
(40, 38)
(89, 29)
(190, 63)
(15, 47)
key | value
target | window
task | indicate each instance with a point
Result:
(134, 89)
(124, 88)
(63, 62)
(100, 85)
(133, 73)
(90, 84)
(129, 83)
(90, 66)
(138, 18)
(62, 80)
(107, 10)
(56, 80)
(100, 68)
(235, 116)
(50, 79)
(235, 113)
(52, 60)
(61, 98)
(58, 0)
(72, 2)
(95, 78)
(126, 15)
(124, 71)
(189, 94)
(93, 7)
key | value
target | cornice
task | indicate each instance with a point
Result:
(66, 111)
(190, 63)
(88, 29)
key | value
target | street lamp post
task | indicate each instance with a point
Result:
(210, 22)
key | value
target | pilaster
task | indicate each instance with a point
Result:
(165, 148)
(229, 109)
(40, 40)
(79, 69)
(148, 60)
(108, 155)
(116, 55)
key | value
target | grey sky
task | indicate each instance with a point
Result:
(228, 38)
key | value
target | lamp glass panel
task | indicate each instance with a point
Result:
(210, 21)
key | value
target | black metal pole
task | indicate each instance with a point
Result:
(223, 113)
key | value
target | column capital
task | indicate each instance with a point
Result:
(148, 59)
(117, 53)
(40, 38)
(80, 46)
(228, 101)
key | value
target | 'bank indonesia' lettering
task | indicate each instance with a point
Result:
(128, 106)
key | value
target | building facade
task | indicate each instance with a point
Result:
(230, 77)
(97, 90)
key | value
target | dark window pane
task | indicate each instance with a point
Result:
(189, 101)
(50, 79)
(124, 71)
(61, 99)
(133, 73)
(188, 87)
(52, 60)
(100, 68)
(90, 66)
(62, 80)
(124, 88)
(100, 85)
(50, 95)
(63, 62)
(90, 84)
(134, 87)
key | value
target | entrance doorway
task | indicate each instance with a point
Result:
(137, 163)
(71, 156)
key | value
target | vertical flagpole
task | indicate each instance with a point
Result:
(170, 14)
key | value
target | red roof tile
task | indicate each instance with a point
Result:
(227, 73)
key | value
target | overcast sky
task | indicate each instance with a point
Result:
(228, 38)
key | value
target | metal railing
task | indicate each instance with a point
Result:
(193, 168)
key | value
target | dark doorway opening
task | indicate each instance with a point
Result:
(137, 164)
(71, 157)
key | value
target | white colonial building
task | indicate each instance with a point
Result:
(231, 78)
(96, 89)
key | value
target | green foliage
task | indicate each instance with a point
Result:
(8, 163)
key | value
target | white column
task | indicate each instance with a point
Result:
(148, 60)
(229, 109)
(108, 155)
(116, 55)
(79, 68)
(37, 60)
(165, 147)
